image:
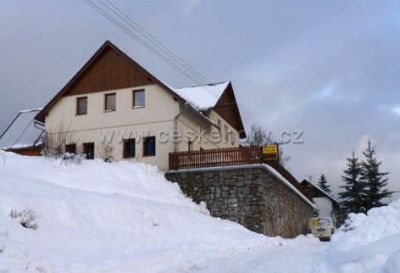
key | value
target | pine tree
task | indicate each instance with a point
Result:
(374, 179)
(323, 184)
(353, 195)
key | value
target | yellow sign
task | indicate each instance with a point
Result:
(271, 151)
(314, 222)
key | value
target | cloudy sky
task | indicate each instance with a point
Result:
(329, 69)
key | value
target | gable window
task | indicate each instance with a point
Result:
(88, 150)
(81, 106)
(129, 148)
(149, 146)
(110, 102)
(138, 98)
(70, 148)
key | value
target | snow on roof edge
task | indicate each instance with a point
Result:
(20, 146)
(198, 112)
(203, 85)
(327, 194)
(31, 110)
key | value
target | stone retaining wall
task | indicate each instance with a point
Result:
(253, 196)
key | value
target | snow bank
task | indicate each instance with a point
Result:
(393, 263)
(361, 229)
(97, 216)
(370, 243)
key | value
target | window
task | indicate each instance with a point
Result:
(70, 148)
(129, 148)
(190, 146)
(219, 125)
(109, 102)
(88, 150)
(226, 134)
(81, 106)
(149, 146)
(138, 98)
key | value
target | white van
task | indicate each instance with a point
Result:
(322, 228)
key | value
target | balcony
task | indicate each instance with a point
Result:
(219, 157)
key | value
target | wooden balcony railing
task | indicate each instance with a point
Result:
(215, 157)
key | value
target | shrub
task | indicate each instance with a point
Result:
(27, 218)
(72, 158)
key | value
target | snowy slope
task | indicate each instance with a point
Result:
(96, 216)
(368, 244)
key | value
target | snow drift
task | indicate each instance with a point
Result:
(370, 243)
(96, 215)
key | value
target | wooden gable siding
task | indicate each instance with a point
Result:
(109, 68)
(109, 71)
(228, 109)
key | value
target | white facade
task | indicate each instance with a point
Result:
(161, 117)
(325, 207)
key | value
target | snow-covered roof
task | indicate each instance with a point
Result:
(23, 131)
(202, 97)
(322, 191)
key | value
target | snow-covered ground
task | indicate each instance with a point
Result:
(125, 217)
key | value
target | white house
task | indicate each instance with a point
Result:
(326, 204)
(114, 107)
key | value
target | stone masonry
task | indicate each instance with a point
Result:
(253, 196)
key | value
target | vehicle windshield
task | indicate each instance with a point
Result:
(324, 221)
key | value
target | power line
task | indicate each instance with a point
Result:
(130, 33)
(154, 40)
(138, 33)
(194, 76)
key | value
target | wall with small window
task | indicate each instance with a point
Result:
(129, 113)
(127, 106)
(145, 114)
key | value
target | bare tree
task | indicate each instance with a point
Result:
(259, 136)
(54, 143)
(105, 152)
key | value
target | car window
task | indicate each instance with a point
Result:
(324, 221)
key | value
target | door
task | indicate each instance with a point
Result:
(88, 150)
